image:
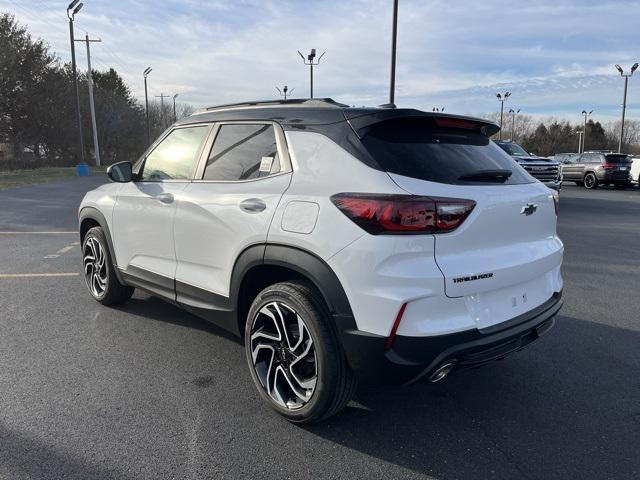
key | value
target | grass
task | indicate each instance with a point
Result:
(16, 178)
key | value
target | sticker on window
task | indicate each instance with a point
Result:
(265, 164)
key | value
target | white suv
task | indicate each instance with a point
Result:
(341, 244)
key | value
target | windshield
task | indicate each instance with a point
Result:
(513, 149)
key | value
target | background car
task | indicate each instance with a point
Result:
(635, 170)
(592, 169)
(564, 157)
(546, 170)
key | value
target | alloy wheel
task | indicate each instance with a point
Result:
(589, 181)
(284, 355)
(95, 267)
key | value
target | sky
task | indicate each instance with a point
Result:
(555, 57)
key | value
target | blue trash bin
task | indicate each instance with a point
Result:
(82, 170)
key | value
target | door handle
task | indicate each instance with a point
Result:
(164, 197)
(252, 205)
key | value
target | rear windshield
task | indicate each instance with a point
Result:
(414, 148)
(617, 158)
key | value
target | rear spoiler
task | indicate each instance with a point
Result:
(362, 120)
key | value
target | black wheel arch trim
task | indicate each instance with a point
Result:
(96, 215)
(305, 263)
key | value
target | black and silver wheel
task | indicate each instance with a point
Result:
(294, 356)
(99, 272)
(590, 180)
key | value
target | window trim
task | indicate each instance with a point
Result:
(138, 167)
(281, 145)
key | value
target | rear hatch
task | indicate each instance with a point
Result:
(504, 258)
(618, 165)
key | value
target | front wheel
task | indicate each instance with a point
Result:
(294, 355)
(99, 271)
(590, 181)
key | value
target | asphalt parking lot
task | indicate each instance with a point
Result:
(149, 391)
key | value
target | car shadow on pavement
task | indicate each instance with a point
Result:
(35, 459)
(153, 308)
(567, 407)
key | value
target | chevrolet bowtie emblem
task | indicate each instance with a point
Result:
(529, 209)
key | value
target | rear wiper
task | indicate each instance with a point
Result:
(487, 176)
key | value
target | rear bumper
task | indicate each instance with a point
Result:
(613, 177)
(413, 358)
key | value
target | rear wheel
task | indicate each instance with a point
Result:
(99, 272)
(590, 181)
(294, 356)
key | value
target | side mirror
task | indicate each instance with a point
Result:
(121, 172)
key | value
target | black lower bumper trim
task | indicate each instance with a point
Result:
(413, 358)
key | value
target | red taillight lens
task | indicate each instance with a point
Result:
(397, 214)
(609, 166)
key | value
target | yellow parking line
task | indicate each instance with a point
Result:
(38, 233)
(30, 275)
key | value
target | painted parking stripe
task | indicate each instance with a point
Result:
(38, 233)
(66, 249)
(31, 275)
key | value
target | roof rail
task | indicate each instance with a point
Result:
(311, 102)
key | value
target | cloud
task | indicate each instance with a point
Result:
(555, 56)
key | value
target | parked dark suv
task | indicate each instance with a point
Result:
(597, 168)
(546, 170)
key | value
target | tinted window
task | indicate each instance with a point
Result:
(514, 149)
(617, 158)
(174, 158)
(243, 152)
(413, 148)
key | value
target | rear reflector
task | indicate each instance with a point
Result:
(403, 214)
(394, 329)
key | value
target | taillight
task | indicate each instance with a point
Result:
(398, 214)
(609, 166)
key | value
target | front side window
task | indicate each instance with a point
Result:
(175, 157)
(243, 152)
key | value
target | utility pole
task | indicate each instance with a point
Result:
(624, 99)
(513, 122)
(175, 117)
(285, 92)
(146, 103)
(502, 99)
(394, 41)
(96, 147)
(584, 130)
(310, 61)
(162, 97)
(73, 8)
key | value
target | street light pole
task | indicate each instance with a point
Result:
(162, 116)
(285, 92)
(96, 146)
(624, 99)
(394, 41)
(584, 130)
(73, 8)
(146, 103)
(175, 118)
(502, 99)
(310, 61)
(513, 122)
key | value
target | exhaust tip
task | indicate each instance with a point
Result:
(441, 372)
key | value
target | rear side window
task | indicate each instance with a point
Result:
(243, 152)
(174, 158)
(414, 148)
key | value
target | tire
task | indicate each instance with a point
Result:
(99, 272)
(321, 376)
(590, 181)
